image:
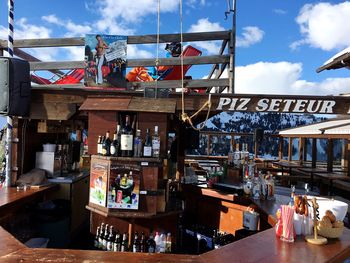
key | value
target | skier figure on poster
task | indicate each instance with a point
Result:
(100, 56)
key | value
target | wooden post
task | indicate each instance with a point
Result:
(305, 149)
(330, 155)
(314, 153)
(280, 147)
(301, 150)
(344, 156)
(348, 156)
(290, 141)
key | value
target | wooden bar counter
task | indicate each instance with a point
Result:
(261, 247)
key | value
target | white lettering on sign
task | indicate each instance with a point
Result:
(277, 105)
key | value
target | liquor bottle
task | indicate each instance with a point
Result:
(147, 147)
(124, 245)
(137, 144)
(99, 145)
(151, 244)
(117, 242)
(114, 149)
(100, 238)
(168, 243)
(96, 241)
(126, 139)
(119, 133)
(106, 145)
(136, 243)
(162, 243)
(110, 239)
(142, 243)
(156, 143)
(157, 240)
(105, 238)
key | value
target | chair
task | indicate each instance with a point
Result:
(174, 72)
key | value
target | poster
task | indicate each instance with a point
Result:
(124, 186)
(98, 182)
(105, 60)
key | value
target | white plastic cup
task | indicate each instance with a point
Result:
(297, 221)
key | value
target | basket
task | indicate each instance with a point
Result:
(330, 232)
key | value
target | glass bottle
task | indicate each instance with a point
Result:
(117, 242)
(151, 244)
(99, 145)
(105, 238)
(114, 149)
(142, 243)
(124, 245)
(168, 243)
(137, 144)
(127, 139)
(156, 143)
(106, 146)
(136, 243)
(147, 147)
(96, 241)
(100, 238)
(110, 239)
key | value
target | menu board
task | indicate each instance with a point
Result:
(98, 182)
(124, 186)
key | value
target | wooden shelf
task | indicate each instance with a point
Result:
(107, 212)
(129, 159)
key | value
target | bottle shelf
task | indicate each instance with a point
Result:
(130, 159)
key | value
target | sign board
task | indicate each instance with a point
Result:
(270, 103)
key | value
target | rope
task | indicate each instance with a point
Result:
(8, 147)
(184, 116)
(157, 51)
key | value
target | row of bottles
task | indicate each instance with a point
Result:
(125, 144)
(109, 240)
(256, 184)
(237, 158)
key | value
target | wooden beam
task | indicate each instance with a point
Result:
(223, 46)
(55, 65)
(330, 155)
(280, 147)
(314, 153)
(290, 142)
(301, 150)
(143, 39)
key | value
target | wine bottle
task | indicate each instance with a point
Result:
(99, 145)
(114, 149)
(96, 241)
(106, 146)
(100, 238)
(136, 244)
(168, 243)
(117, 242)
(137, 144)
(155, 143)
(104, 238)
(151, 245)
(147, 147)
(142, 243)
(124, 246)
(110, 239)
(127, 139)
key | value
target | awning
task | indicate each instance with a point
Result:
(327, 129)
(340, 60)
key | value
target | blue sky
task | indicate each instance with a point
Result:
(279, 43)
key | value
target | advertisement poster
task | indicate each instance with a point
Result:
(105, 60)
(98, 182)
(124, 186)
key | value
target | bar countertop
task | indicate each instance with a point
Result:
(261, 247)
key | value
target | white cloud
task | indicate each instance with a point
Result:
(284, 78)
(72, 28)
(134, 12)
(324, 25)
(204, 25)
(280, 11)
(135, 52)
(250, 36)
(25, 30)
(195, 3)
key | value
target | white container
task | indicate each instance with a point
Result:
(48, 147)
(338, 208)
